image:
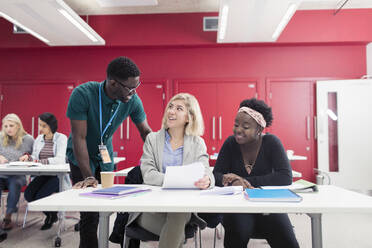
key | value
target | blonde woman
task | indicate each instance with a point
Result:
(15, 145)
(178, 142)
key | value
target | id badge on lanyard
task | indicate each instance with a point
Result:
(104, 154)
(103, 148)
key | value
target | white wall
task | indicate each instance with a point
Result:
(369, 59)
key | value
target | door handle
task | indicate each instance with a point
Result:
(38, 126)
(315, 128)
(32, 126)
(121, 131)
(213, 127)
(220, 127)
(308, 127)
(127, 128)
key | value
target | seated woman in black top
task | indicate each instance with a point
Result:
(252, 159)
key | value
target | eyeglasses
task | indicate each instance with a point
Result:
(130, 90)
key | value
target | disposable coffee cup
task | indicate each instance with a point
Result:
(107, 179)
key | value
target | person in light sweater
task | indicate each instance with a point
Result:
(15, 145)
(178, 142)
(49, 148)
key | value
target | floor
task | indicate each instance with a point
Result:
(338, 231)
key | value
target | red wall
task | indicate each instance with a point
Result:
(80, 64)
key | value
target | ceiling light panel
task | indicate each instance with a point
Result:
(44, 17)
(126, 3)
(254, 20)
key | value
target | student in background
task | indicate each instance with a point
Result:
(178, 142)
(49, 148)
(251, 158)
(15, 145)
(96, 110)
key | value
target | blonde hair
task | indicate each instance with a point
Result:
(195, 126)
(18, 138)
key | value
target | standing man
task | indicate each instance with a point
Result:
(96, 110)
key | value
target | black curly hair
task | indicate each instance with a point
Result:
(122, 68)
(51, 120)
(261, 107)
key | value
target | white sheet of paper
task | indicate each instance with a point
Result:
(25, 164)
(228, 190)
(184, 176)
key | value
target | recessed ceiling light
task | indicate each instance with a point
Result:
(126, 3)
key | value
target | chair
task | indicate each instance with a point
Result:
(136, 232)
(212, 220)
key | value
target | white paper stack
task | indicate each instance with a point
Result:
(183, 177)
(228, 190)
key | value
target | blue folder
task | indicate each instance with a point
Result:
(271, 195)
(118, 190)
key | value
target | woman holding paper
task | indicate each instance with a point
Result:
(49, 148)
(177, 143)
(15, 145)
(252, 159)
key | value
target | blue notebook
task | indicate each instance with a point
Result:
(108, 196)
(271, 195)
(119, 190)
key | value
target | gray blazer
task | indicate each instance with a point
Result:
(194, 150)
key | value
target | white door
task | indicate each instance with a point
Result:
(345, 132)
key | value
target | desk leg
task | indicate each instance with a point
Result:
(104, 221)
(60, 214)
(316, 230)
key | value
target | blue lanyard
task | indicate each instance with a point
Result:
(100, 115)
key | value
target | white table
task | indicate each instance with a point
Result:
(59, 170)
(297, 157)
(118, 159)
(329, 199)
(125, 172)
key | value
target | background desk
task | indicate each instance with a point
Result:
(125, 172)
(329, 199)
(59, 170)
(118, 159)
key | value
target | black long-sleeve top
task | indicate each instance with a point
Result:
(271, 167)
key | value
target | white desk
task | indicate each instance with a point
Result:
(59, 170)
(125, 172)
(118, 159)
(329, 199)
(290, 157)
(297, 157)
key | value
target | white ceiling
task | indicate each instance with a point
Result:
(91, 7)
(40, 17)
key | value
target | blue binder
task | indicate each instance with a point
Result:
(271, 195)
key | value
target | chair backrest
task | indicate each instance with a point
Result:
(134, 176)
(212, 219)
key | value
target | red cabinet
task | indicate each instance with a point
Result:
(127, 141)
(29, 100)
(292, 103)
(219, 103)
